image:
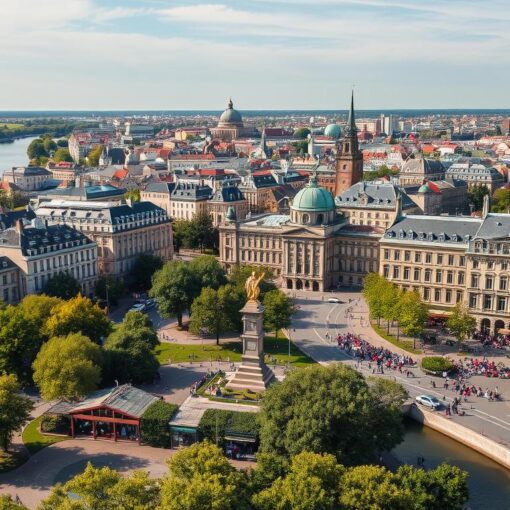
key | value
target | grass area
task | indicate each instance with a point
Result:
(10, 461)
(4, 125)
(406, 345)
(34, 440)
(278, 349)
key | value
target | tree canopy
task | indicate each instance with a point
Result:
(501, 201)
(143, 269)
(460, 322)
(278, 310)
(111, 288)
(94, 155)
(476, 195)
(331, 410)
(68, 367)
(62, 154)
(78, 315)
(14, 409)
(62, 285)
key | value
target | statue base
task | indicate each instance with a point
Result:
(253, 374)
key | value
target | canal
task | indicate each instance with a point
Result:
(489, 483)
(14, 154)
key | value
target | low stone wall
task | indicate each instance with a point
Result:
(495, 451)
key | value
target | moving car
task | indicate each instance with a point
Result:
(137, 307)
(333, 300)
(428, 401)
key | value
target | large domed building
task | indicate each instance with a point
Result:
(231, 126)
(333, 131)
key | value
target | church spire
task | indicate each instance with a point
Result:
(351, 120)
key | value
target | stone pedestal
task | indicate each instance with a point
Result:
(253, 374)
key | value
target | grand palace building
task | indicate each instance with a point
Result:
(328, 242)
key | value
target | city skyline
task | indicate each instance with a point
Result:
(285, 54)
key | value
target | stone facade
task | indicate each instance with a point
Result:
(122, 232)
(27, 178)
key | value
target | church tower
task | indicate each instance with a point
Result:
(349, 158)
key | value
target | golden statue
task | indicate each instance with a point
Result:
(252, 286)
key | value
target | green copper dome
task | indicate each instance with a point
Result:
(313, 198)
(424, 188)
(333, 131)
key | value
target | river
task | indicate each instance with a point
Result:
(14, 154)
(489, 483)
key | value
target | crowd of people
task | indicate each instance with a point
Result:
(464, 390)
(475, 366)
(378, 356)
(494, 341)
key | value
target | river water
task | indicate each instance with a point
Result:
(489, 483)
(14, 154)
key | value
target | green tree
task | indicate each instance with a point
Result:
(201, 478)
(390, 297)
(210, 312)
(68, 367)
(278, 310)
(329, 410)
(201, 232)
(62, 154)
(14, 409)
(501, 201)
(372, 487)
(442, 488)
(208, 272)
(63, 142)
(461, 323)
(103, 488)
(94, 155)
(240, 274)
(413, 313)
(109, 289)
(313, 482)
(476, 195)
(144, 268)
(49, 144)
(7, 503)
(78, 315)
(36, 149)
(173, 286)
(373, 291)
(180, 231)
(302, 133)
(62, 285)
(129, 351)
(133, 194)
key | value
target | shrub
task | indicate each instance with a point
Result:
(218, 422)
(55, 424)
(243, 423)
(155, 430)
(436, 364)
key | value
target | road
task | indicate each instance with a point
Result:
(317, 319)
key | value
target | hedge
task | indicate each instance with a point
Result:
(436, 364)
(55, 423)
(218, 422)
(155, 430)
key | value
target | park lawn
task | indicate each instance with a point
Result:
(4, 125)
(406, 345)
(35, 441)
(279, 349)
(230, 351)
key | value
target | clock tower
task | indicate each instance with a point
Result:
(349, 158)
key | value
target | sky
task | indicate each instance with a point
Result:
(266, 54)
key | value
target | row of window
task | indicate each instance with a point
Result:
(77, 272)
(428, 257)
(490, 282)
(487, 302)
(442, 295)
(63, 260)
(429, 276)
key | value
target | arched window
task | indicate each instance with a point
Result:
(320, 219)
(306, 218)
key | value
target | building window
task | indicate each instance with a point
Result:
(462, 261)
(417, 257)
(487, 302)
(439, 276)
(490, 264)
(475, 264)
(460, 278)
(386, 271)
(448, 296)
(489, 280)
(449, 277)
(426, 294)
(407, 273)
(437, 295)
(503, 283)
(450, 260)
(416, 274)
(475, 280)
(459, 296)
(397, 254)
(473, 300)
(396, 272)
(386, 254)
(407, 256)
(504, 266)
(501, 304)
(428, 258)
(428, 274)
(439, 258)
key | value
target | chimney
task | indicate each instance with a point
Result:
(486, 206)
(19, 226)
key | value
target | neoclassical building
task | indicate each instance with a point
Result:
(312, 248)
(231, 125)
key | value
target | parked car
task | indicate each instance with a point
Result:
(150, 304)
(333, 300)
(428, 401)
(138, 307)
